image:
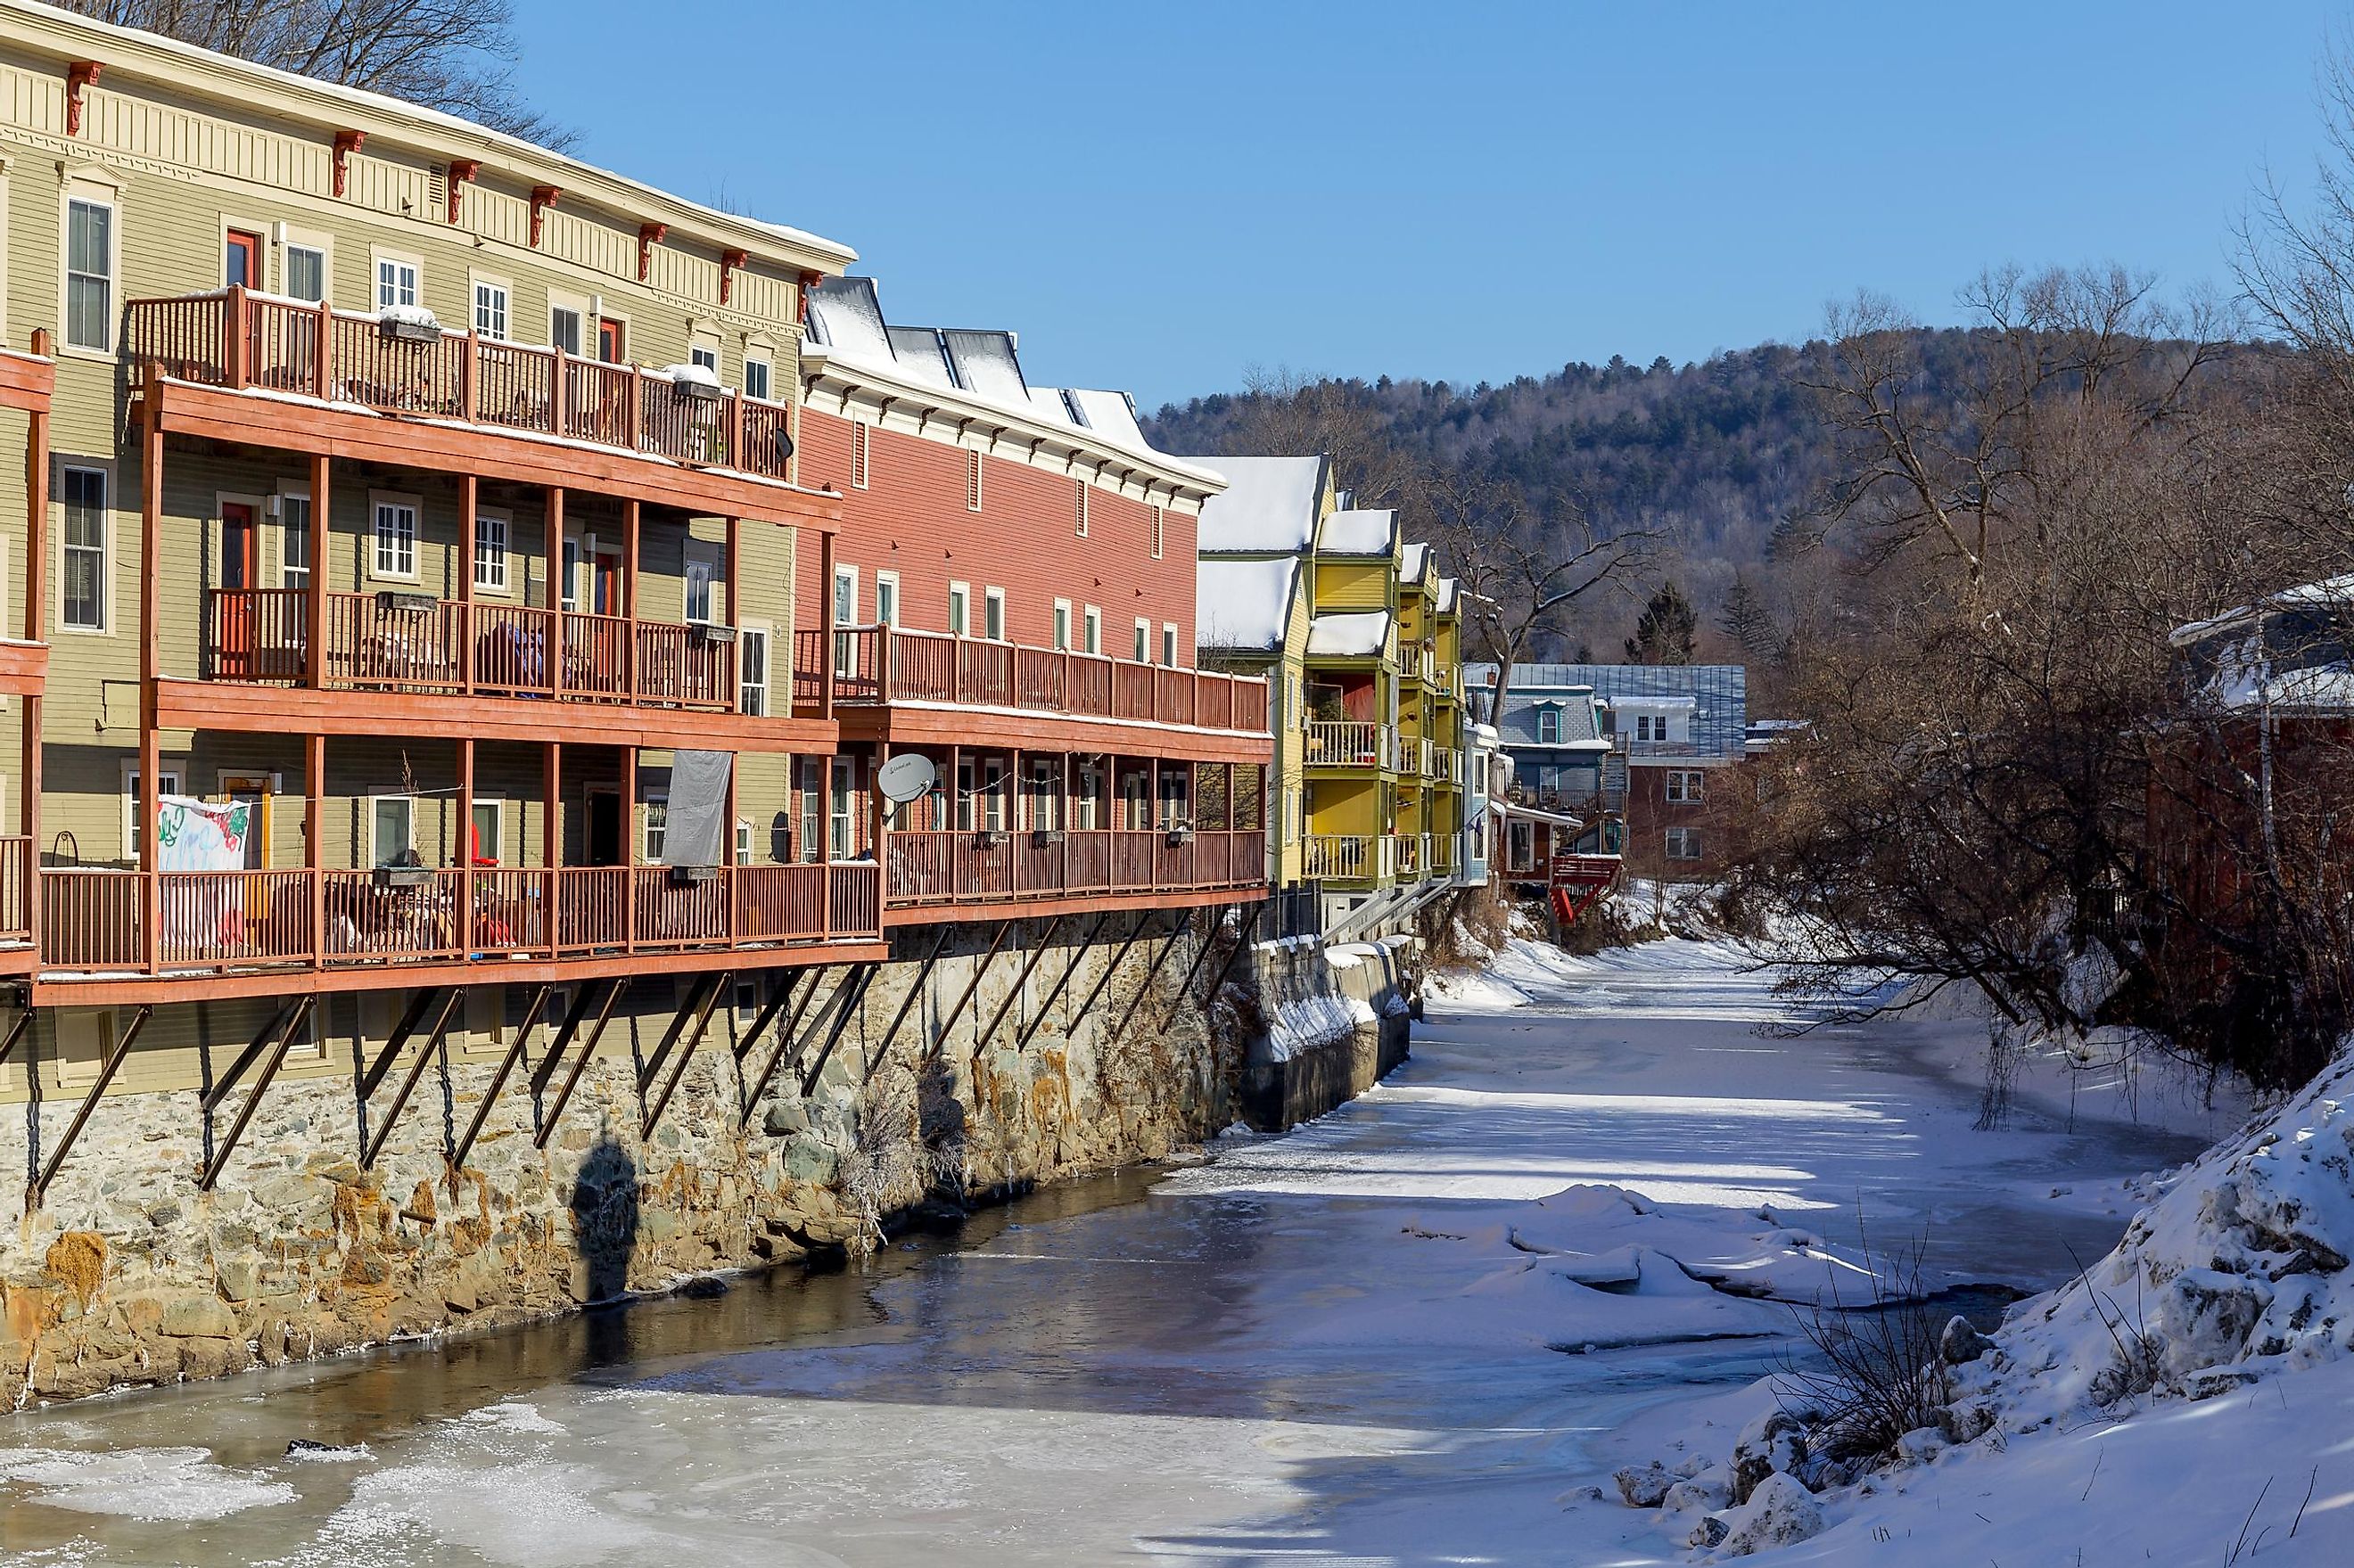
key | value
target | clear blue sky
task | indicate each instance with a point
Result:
(1160, 195)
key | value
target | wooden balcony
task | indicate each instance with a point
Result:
(549, 417)
(1347, 743)
(1082, 866)
(1375, 859)
(16, 904)
(490, 923)
(885, 670)
(409, 642)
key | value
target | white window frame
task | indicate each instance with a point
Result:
(1168, 644)
(842, 609)
(972, 481)
(758, 360)
(862, 453)
(379, 503)
(888, 603)
(377, 854)
(1143, 645)
(288, 530)
(1548, 718)
(750, 633)
(172, 777)
(809, 820)
(960, 610)
(323, 245)
(583, 311)
(497, 852)
(106, 549)
(1686, 786)
(653, 827)
(492, 300)
(992, 614)
(699, 573)
(83, 189)
(1684, 844)
(1062, 625)
(380, 286)
(490, 525)
(841, 806)
(1091, 624)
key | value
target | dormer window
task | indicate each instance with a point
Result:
(1548, 726)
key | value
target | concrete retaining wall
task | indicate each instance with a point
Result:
(1330, 1024)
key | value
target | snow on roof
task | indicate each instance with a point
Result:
(1051, 404)
(1417, 556)
(1244, 604)
(919, 355)
(1111, 414)
(847, 318)
(1447, 587)
(1359, 532)
(2336, 591)
(1358, 633)
(1269, 507)
(986, 365)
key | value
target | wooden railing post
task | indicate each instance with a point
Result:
(887, 658)
(464, 924)
(558, 376)
(314, 834)
(469, 369)
(469, 530)
(632, 390)
(322, 348)
(558, 635)
(234, 325)
(826, 658)
(630, 849)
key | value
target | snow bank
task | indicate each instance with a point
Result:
(1301, 1025)
(2240, 1268)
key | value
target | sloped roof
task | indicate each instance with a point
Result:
(1719, 693)
(1416, 561)
(1269, 507)
(1580, 730)
(1356, 633)
(1244, 604)
(919, 352)
(986, 365)
(1359, 531)
(1448, 590)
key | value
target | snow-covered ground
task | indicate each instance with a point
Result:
(1423, 1330)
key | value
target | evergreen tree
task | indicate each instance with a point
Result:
(1668, 630)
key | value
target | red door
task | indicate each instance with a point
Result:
(241, 268)
(612, 343)
(234, 625)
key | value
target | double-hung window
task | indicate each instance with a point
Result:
(490, 552)
(491, 311)
(306, 272)
(1169, 645)
(812, 806)
(564, 329)
(395, 539)
(82, 595)
(1684, 843)
(843, 819)
(698, 592)
(755, 378)
(1548, 726)
(89, 274)
(134, 806)
(1143, 640)
(1062, 623)
(960, 610)
(294, 543)
(1091, 630)
(992, 614)
(396, 283)
(752, 669)
(1685, 789)
(392, 827)
(886, 598)
(657, 827)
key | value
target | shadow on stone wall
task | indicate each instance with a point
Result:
(605, 1219)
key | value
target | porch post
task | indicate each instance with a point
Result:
(314, 838)
(734, 656)
(556, 637)
(631, 523)
(629, 848)
(825, 622)
(1010, 813)
(469, 500)
(315, 602)
(151, 648)
(551, 841)
(466, 832)
(36, 600)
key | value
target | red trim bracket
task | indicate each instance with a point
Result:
(729, 261)
(79, 75)
(461, 175)
(649, 236)
(346, 144)
(541, 199)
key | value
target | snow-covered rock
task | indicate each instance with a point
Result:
(1779, 1512)
(1644, 1485)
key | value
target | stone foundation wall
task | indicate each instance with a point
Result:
(128, 1273)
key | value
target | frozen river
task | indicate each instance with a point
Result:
(1331, 1348)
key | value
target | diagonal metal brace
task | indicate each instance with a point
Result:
(499, 1079)
(1014, 993)
(784, 1045)
(685, 1053)
(106, 1072)
(613, 990)
(295, 1018)
(841, 1021)
(906, 1004)
(949, 1024)
(1047, 1006)
(416, 1070)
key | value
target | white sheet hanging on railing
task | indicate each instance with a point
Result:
(198, 835)
(696, 825)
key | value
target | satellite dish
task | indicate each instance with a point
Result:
(905, 776)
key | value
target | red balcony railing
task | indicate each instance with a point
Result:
(888, 664)
(15, 887)
(218, 921)
(965, 867)
(413, 642)
(239, 340)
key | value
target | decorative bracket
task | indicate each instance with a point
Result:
(541, 199)
(729, 261)
(809, 281)
(346, 144)
(79, 75)
(461, 175)
(649, 236)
